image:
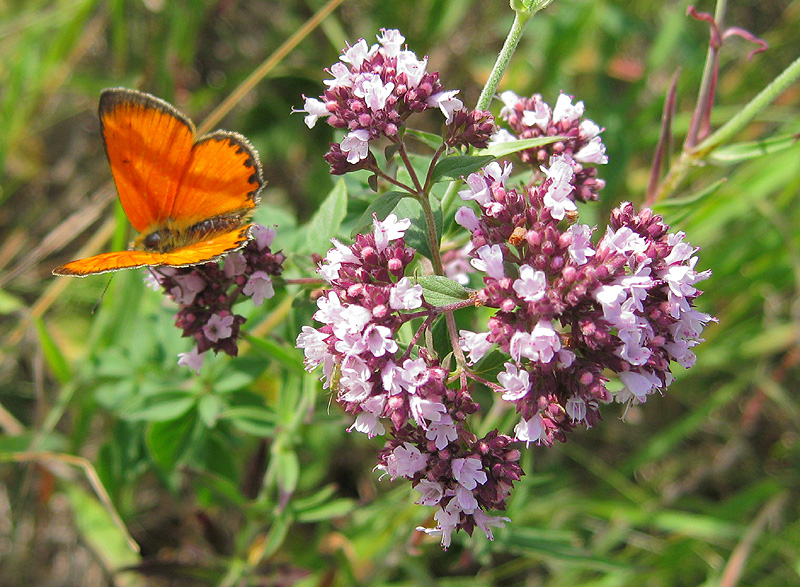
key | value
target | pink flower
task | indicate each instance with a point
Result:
(218, 327)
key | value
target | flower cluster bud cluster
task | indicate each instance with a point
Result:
(404, 389)
(580, 145)
(373, 92)
(568, 311)
(206, 294)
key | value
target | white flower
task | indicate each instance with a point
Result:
(490, 261)
(531, 285)
(314, 110)
(371, 88)
(415, 374)
(426, 411)
(392, 41)
(404, 296)
(415, 69)
(510, 100)
(580, 246)
(532, 430)
(565, 111)
(354, 385)
(342, 76)
(485, 522)
(192, 359)
(389, 229)
(540, 116)
(369, 424)
(556, 198)
(539, 345)
(638, 384)
(516, 383)
(392, 378)
(446, 102)
(355, 145)
(592, 152)
(576, 408)
(378, 340)
(469, 472)
(476, 344)
(442, 432)
(405, 460)
(431, 491)
(312, 341)
(356, 54)
(466, 217)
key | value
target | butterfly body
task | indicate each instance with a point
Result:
(189, 198)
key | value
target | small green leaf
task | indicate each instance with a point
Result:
(417, 235)
(287, 470)
(382, 206)
(168, 441)
(161, 407)
(434, 141)
(9, 303)
(57, 362)
(751, 149)
(509, 147)
(332, 509)
(254, 420)
(209, 408)
(441, 291)
(457, 166)
(325, 223)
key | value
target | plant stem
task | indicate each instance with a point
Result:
(521, 19)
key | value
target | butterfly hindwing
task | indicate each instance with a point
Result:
(202, 252)
(223, 177)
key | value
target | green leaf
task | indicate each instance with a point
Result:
(9, 303)
(98, 529)
(434, 141)
(168, 441)
(325, 223)
(509, 147)
(456, 166)
(442, 291)
(417, 235)
(287, 468)
(382, 206)
(751, 149)
(161, 407)
(328, 510)
(209, 408)
(57, 362)
(254, 420)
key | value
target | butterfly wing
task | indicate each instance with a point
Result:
(149, 144)
(222, 178)
(194, 254)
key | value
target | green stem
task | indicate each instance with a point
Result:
(521, 18)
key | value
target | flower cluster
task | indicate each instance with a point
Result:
(372, 93)
(385, 385)
(206, 294)
(569, 311)
(532, 118)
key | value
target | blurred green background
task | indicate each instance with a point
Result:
(245, 475)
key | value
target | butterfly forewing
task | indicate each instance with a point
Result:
(148, 144)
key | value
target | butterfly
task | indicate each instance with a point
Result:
(189, 197)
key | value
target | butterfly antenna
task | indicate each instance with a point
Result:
(102, 295)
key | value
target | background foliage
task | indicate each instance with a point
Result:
(243, 475)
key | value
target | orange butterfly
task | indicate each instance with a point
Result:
(189, 198)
